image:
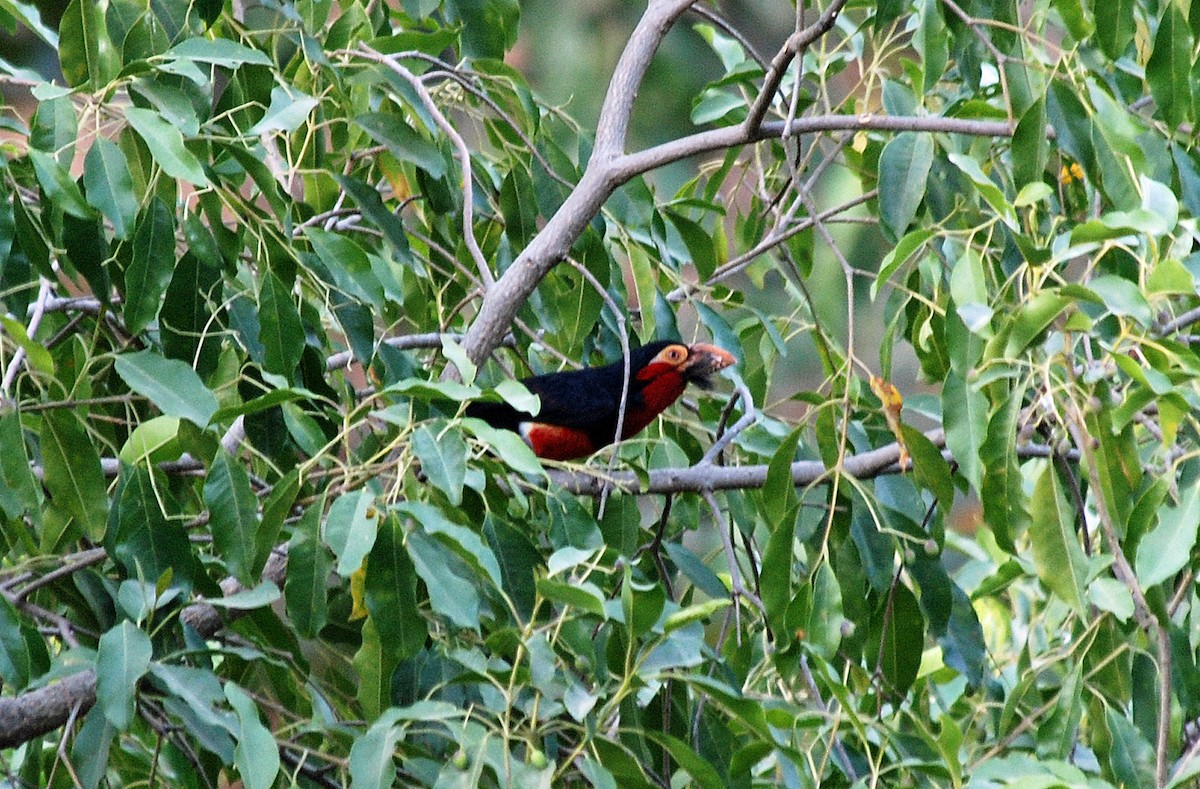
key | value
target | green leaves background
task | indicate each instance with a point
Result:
(233, 270)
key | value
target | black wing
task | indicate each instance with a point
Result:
(579, 398)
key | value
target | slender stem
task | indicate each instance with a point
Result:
(460, 145)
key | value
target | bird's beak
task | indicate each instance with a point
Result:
(704, 360)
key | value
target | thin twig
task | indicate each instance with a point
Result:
(749, 417)
(18, 360)
(460, 145)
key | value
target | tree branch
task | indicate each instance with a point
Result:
(460, 146)
(40, 711)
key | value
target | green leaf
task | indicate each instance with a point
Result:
(166, 146)
(122, 659)
(965, 418)
(288, 111)
(1168, 71)
(36, 355)
(1078, 18)
(73, 476)
(372, 206)
(58, 185)
(450, 594)
(515, 394)
(896, 257)
(218, 52)
(308, 568)
(404, 142)
(372, 757)
(931, 41)
(1057, 555)
(348, 264)
(281, 332)
(90, 748)
(823, 631)
(257, 754)
(1032, 318)
(780, 506)
(172, 102)
(350, 529)
(390, 593)
(170, 384)
(1114, 28)
(187, 324)
(1130, 756)
(1167, 549)
(443, 456)
(694, 613)
(86, 54)
(141, 538)
(1031, 148)
(259, 596)
(1122, 297)
(195, 694)
(87, 249)
(1002, 493)
(23, 654)
(896, 637)
(489, 26)
(518, 203)
(20, 493)
(109, 186)
(688, 760)
(151, 265)
(903, 170)
(991, 193)
(508, 446)
(233, 516)
(460, 539)
(584, 596)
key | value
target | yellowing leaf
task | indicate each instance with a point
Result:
(892, 402)
(358, 586)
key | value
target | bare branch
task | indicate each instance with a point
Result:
(603, 176)
(18, 359)
(796, 43)
(699, 478)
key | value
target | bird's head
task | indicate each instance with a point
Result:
(693, 363)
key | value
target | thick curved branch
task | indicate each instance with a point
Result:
(613, 126)
(603, 176)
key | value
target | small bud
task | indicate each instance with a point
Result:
(537, 759)
(460, 760)
(931, 547)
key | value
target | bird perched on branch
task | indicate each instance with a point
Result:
(580, 408)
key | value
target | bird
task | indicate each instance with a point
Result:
(580, 408)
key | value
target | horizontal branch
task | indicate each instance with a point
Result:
(706, 477)
(40, 711)
(635, 164)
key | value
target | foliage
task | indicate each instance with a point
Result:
(246, 286)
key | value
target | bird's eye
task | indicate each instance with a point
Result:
(675, 354)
